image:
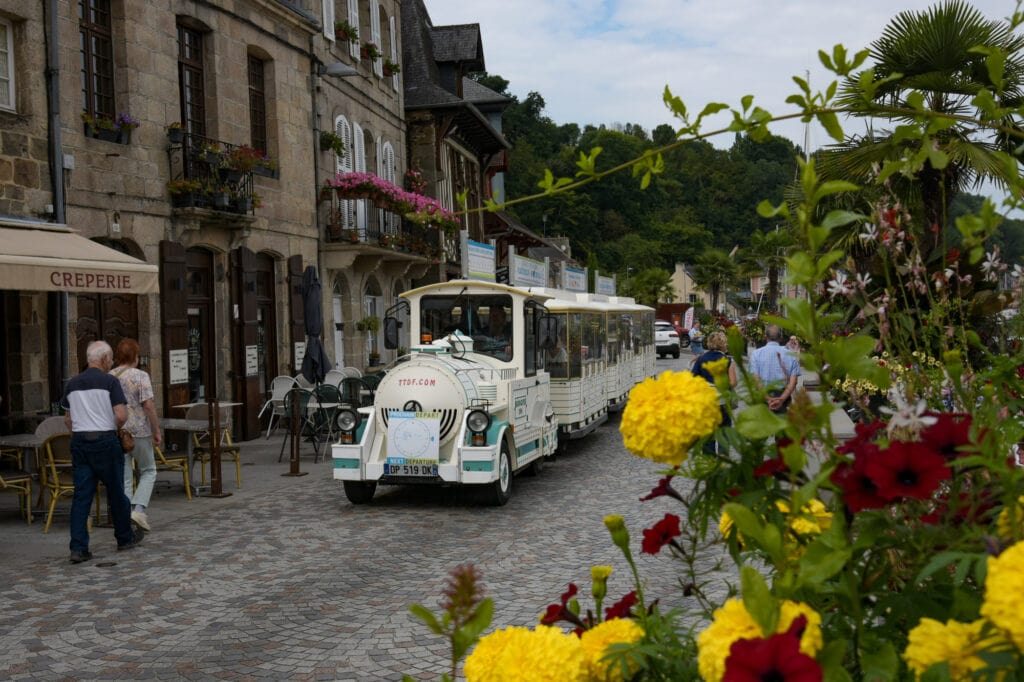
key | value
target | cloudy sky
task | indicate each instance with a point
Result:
(608, 61)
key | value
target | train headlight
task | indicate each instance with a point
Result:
(348, 422)
(478, 422)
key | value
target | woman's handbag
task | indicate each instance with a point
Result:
(127, 439)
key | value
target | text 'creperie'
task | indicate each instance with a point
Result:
(89, 280)
(417, 382)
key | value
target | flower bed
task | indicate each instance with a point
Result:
(415, 208)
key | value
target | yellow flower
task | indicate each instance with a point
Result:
(665, 416)
(954, 643)
(717, 367)
(600, 572)
(732, 622)
(597, 640)
(1005, 527)
(599, 576)
(813, 518)
(1004, 593)
(545, 654)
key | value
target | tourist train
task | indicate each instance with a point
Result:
(496, 379)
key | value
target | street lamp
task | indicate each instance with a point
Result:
(629, 271)
(337, 69)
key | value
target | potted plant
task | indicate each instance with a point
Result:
(183, 192)
(374, 358)
(220, 196)
(346, 31)
(237, 162)
(242, 202)
(125, 124)
(331, 142)
(265, 165)
(370, 324)
(176, 133)
(209, 153)
(390, 67)
(370, 51)
(100, 127)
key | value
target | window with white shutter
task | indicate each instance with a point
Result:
(379, 159)
(329, 20)
(7, 100)
(359, 159)
(353, 18)
(394, 51)
(388, 169)
(343, 164)
(378, 65)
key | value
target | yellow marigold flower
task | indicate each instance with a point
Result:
(954, 643)
(665, 416)
(732, 622)
(1004, 593)
(718, 367)
(1005, 527)
(599, 577)
(814, 518)
(596, 641)
(516, 654)
(600, 572)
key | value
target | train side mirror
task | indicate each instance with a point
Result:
(547, 332)
(390, 333)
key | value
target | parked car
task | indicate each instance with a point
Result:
(666, 339)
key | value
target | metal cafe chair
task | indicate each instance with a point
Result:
(275, 403)
(329, 399)
(19, 482)
(178, 464)
(57, 477)
(302, 419)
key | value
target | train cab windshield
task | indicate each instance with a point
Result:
(487, 319)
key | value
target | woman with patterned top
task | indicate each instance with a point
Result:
(143, 425)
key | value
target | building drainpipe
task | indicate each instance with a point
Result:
(60, 364)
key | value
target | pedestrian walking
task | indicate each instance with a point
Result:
(776, 368)
(95, 409)
(717, 346)
(143, 425)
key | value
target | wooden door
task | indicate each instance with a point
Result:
(244, 334)
(173, 324)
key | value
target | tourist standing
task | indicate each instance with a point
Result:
(696, 338)
(776, 368)
(96, 409)
(143, 425)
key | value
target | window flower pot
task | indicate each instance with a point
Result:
(229, 175)
(175, 135)
(221, 200)
(185, 200)
(243, 204)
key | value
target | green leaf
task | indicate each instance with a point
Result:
(758, 600)
(840, 218)
(820, 562)
(833, 187)
(831, 660)
(712, 108)
(465, 636)
(747, 523)
(766, 210)
(880, 661)
(757, 421)
(427, 617)
(830, 122)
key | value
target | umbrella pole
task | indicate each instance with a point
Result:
(296, 436)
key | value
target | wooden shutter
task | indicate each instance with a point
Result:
(394, 50)
(245, 332)
(353, 18)
(378, 65)
(173, 317)
(296, 314)
(347, 207)
(359, 160)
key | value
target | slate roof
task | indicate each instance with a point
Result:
(481, 95)
(459, 43)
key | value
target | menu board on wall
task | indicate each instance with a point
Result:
(252, 361)
(177, 365)
(300, 353)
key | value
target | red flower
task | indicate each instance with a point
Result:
(770, 467)
(777, 658)
(660, 534)
(864, 434)
(947, 434)
(664, 488)
(859, 490)
(557, 612)
(621, 608)
(910, 470)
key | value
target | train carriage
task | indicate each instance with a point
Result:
(498, 377)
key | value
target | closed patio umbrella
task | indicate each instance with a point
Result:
(316, 363)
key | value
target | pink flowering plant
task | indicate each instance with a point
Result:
(416, 208)
(893, 552)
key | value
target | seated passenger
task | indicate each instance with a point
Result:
(499, 335)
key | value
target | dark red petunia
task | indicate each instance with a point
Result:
(864, 434)
(907, 470)
(777, 658)
(949, 433)
(770, 467)
(622, 608)
(664, 488)
(557, 612)
(660, 534)
(859, 490)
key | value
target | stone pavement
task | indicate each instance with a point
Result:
(285, 579)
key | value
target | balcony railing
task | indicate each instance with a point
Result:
(360, 222)
(209, 173)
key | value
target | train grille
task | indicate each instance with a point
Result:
(448, 419)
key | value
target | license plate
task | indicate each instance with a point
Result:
(412, 469)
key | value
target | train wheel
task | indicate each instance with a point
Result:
(501, 490)
(359, 492)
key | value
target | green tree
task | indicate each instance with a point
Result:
(767, 253)
(713, 271)
(649, 286)
(929, 60)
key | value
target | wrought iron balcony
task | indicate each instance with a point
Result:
(212, 174)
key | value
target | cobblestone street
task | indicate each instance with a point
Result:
(287, 580)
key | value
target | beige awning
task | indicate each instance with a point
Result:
(50, 257)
